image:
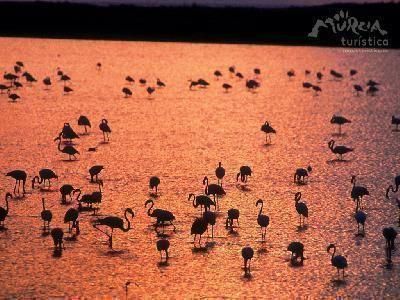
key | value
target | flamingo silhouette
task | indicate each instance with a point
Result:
(44, 174)
(336, 75)
(220, 173)
(202, 201)
(268, 131)
(358, 88)
(339, 150)
(307, 85)
(70, 150)
(94, 171)
(127, 92)
(247, 254)
(358, 192)
(150, 90)
(252, 85)
(339, 120)
(154, 182)
(360, 217)
(47, 82)
(301, 174)
(213, 189)
(338, 261)
(390, 188)
(390, 235)
(301, 208)
(57, 234)
(47, 216)
(160, 84)
(319, 76)
(105, 129)
(396, 122)
(20, 177)
(217, 74)
(226, 87)
(68, 133)
(291, 74)
(244, 172)
(129, 79)
(199, 226)
(70, 217)
(161, 215)
(297, 250)
(262, 220)
(163, 245)
(211, 218)
(4, 211)
(67, 90)
(84, 121)
(233, 214)
(66, 190)
(114, 223)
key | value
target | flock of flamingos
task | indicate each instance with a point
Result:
(208, 202)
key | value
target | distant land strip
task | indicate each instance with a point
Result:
(275, 26)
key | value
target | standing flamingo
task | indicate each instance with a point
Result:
(161, 215)
(268, 131)
(202, 201)
(247, 254)
(213, 189)
(233, 214)
(44, 174)
(105, 129)
(70, 150)
(114, 223)
(57, 234)
(390, 235)
(339, 120)
(220, 173)
(47, 216)
(66, 190)
(211, 219)
(94, 171)
(199, 226)
(301, 208)
(297, 250)
(262, 220)
(338, 261)
(357, 193)
(19, 176)
(163, 245)
(4, 211)
(154, 182)
(301, 174)
(71, 217)
(360, 217)
(339, 150)
(390, 188)
(244, 172)
(84, 121)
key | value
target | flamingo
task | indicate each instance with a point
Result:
(202, 201)
(66, 190)
(142, 81)
(239, 75)
(150, 90)
(94, 171)
(211, 219)
(163, 245)
(129, 79)
(160, 84)
(339, 120)
(297, 250)
(217, 74)
(105, 129)
(127, 92)
(372, 83)
(47, 216)
(353, 72)
(57, 234)
(338, 261)
(17, 84)
(4, 211)
(4, 87)
(68, 133)
(44, 174)
(372, 90)
(339, 150)
(220, 173)
(307, 72)
(247, 254)
(98, 66)
(360, 217)
(301, 174)
(203, 83)
(244, 172)
(316, 89)
(358, 192)
(84, 121)
(233, 214)
(390, 188)
(20, 177)
(114, 223)
(262, 220)
(227, 87)
(252, 85)
(301, 207)
(268, 131)
(291, 74)
(47, 82)
(390, 235)
(257, 71)
(193, 84)
(396, 122)
(319, 76)
(71, 217)
(199, 226)
(67, 90)
(154, 182)
(307, 85)
(70, 150)
(213, 189)
(161, 215)
(14, 97)
(358, 88)
(336, 75)
(232, 70)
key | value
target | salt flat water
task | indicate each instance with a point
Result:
(180, 135)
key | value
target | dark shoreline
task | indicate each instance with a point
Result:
(275, 26)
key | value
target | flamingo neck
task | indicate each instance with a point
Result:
(261, 208)
(151, 206)
(129, 223)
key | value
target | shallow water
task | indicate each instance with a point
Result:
(180, 136)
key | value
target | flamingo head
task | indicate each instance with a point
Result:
(130, 211)
(237, 176)
(148, 202)
(330, 247)
(259, 201)
(353, 179)
(205, 180)
(309, 169)
(9, 195)
(297, 196)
